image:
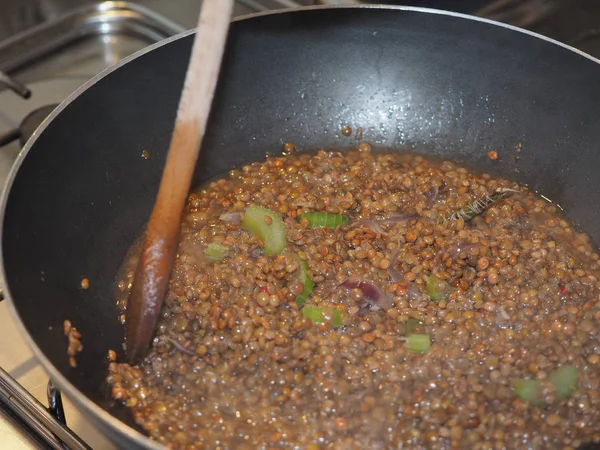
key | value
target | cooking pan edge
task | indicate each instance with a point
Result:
(126, 435)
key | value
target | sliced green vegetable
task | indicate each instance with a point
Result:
(530, 391)
(323, 219)
(305, 279)
(316, 314)
(565, 379)
(313, 313)
(411, 323)
(437, 289)
(216, 251)
(336, 320)
(418, 343)
(267, 226)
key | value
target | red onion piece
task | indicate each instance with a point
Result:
(431, 195)
(373, 295)
(502, 318)
(393, 271)
(460, 248)
(179, 347)
(336, 201)
(395, 274)
(375, 224)
(399, 218)
(415, 297)
(372, 225)
(232, 217)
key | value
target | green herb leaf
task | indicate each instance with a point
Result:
(478, 206)
(565, 379)
(323, 219)
(418, 343)
(437, 289)
(267, 226)
(216, 251)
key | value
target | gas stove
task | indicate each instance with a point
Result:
(56, 46)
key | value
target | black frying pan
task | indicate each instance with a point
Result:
(439, 83)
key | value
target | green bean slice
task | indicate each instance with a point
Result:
(418, 343)
(305, 279)
(267, 226)
(216, 251)
(323, 219)
(437, 289)
(565, 379)
(316, 314)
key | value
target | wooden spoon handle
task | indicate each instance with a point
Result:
(152, 274)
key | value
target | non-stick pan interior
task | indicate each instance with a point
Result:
(434, 83)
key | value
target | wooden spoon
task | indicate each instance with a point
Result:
(152, 274)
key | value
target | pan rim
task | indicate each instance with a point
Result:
(73, 393)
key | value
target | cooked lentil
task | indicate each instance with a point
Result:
(236, 365)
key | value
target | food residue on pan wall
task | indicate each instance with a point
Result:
(518, 149)
(74, 342)
(288, 148)
(359, 133)
(346, 130)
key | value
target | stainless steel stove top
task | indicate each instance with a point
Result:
(71, 46)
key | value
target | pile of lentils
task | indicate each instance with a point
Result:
(309, 344)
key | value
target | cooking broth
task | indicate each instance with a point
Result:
(432, 307)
